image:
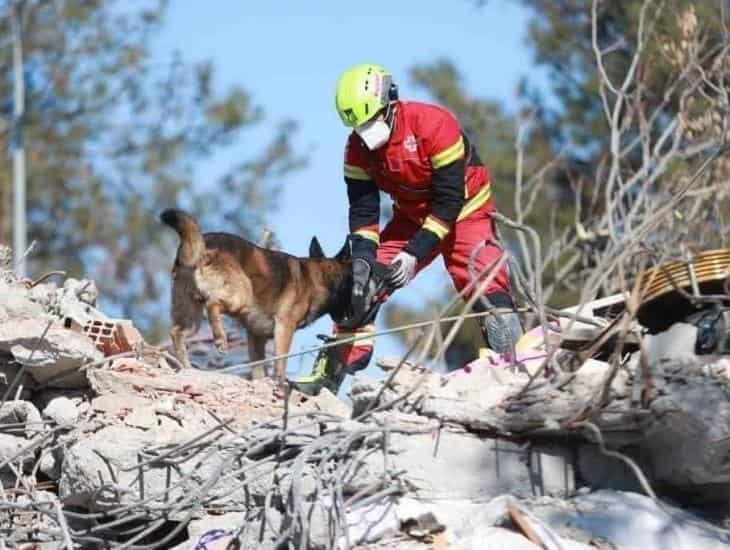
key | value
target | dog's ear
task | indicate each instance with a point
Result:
(345, 252)
(315, 249)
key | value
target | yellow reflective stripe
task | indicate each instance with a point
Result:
(436, 227)
(448, 155)
(356, 173)
(476, 202)
(369, 234)
(319, 371)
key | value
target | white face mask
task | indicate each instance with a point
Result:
(375, 133)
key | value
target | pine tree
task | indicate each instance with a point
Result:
(113, 136)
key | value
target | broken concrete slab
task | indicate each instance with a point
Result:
(117, 404)
(596, 470)
(552, 470)
(479, 399)
(478, 468)
(405, 422)
(55, 360)
(329, 403)
(685, 442)
(108, 456)
(144, 417)
(83, 290)
(631, 520)
(496, 537)
(62, 411)
(10, 374)
(15, 303)
(226, 395)
(76, 301)
(22, 413)
(12, 446)
(363, 393)
(250, 530)
(460, 523)
(470, 399)
(677, 342)
(681, 440)
(100, 471)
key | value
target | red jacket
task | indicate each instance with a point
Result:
(433, 176)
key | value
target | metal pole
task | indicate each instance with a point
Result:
(20, 242)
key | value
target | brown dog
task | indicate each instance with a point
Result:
(271, 293)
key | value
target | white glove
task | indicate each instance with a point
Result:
(403, 268)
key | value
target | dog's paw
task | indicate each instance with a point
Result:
(221, 346)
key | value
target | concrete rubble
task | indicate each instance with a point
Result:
(102, 425)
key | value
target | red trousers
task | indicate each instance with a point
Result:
(465, 236)
(456, 248)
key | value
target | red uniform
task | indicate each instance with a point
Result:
(441, 194)
(425, 138)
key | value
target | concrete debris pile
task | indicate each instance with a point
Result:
(105, 441)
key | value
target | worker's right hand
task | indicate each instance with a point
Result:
(402, 269)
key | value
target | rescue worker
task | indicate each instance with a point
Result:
(418, 154)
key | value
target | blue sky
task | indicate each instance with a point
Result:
(288, 55)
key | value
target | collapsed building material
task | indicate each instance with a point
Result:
(201, 457)
(111, 337)
(629, 520)
(674, 290)
(681, 439)
(50, 353)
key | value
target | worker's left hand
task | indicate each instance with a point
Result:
(402, 269)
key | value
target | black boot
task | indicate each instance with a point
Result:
(501, 332)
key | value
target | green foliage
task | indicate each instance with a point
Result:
(560, 37)
(113, 136)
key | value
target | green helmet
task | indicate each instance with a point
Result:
(362, 91)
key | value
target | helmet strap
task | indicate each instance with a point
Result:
(389, 115)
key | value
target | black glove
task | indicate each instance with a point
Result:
(360, 299)
(369, 289)
(363, 248)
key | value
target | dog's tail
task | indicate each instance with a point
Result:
(192, 244)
